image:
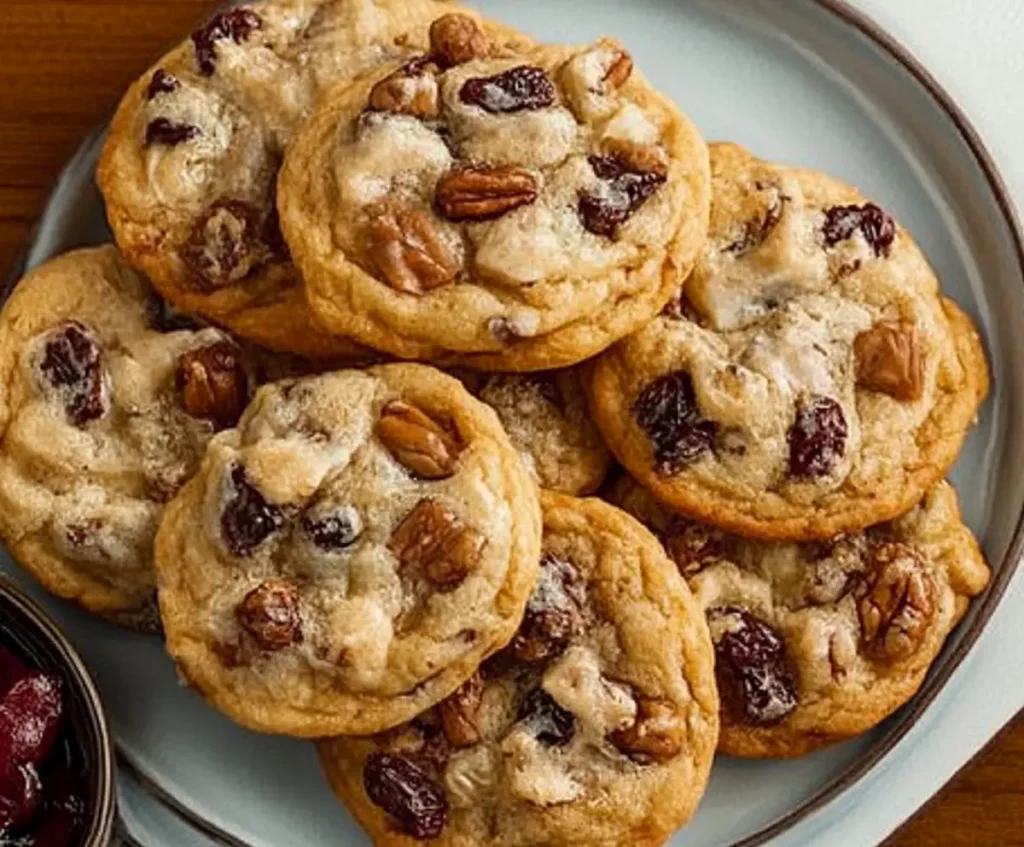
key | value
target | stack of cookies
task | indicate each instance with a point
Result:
(392, 286)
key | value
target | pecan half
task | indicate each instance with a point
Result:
(657, 735)
(417, 441)
(897, 601)
(270, 614)
(458, 713)
(889, 360)
(213, 383)
(411, 90)
(406, 249)
(477, 193)
(432, 541)
(457, 38)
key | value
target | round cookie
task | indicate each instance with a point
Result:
(509, 214)
(546, 417)
(189, 168)
(348, 555)
(103, 417)
(596, 726)
(821, 641)
(810, 381)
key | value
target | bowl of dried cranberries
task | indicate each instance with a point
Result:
(56, 757)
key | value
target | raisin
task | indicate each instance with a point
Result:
(72, 364)
(817, 439)
(553, 614)
(270, 614)
(333, 528)
(248, 519)
(874, 223)
(625, 188)
(161, 83)
(758, 229)
(405, 791)
(754, 679)
(667, 411)
(169, 133)
(236, 24)
(226, 244)
(549, 722)
(692, 546)
(515, 90)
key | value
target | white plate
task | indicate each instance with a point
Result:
(802, 81)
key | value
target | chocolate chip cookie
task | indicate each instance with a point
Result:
(810, 380)
(189, 168)
(820, 641)
(103, 417)
(511, 213)
(348, 555)
(595, 726)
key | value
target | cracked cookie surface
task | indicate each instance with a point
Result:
(595, 726)
(821, 641)
(507, 212)
(811, 379)
(349, 554)
(104, 415)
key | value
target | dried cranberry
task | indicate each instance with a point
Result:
(72, 364)
(874, 223)
(750, 665)
(514, 90)
(161, 83)
(29, 718)
(236, 24)
(625, 188)
(407, 793)
(549, 722)
(553, 613)
(817, 439)
(333, 528)
(169, 133)
(667, 411)
(248, 519)
(225, 245)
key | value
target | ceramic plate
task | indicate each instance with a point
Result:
(806, 82)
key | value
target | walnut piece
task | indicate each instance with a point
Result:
(657, 734)
(417, 441)
(477, 193)
(213, 383)
(270, 614)
(432, 541)
(406, 249)
(411, 90)
(897, 601)
(457, 38)
(889, 360)
(458, 713)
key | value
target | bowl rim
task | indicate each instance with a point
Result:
(101, 816)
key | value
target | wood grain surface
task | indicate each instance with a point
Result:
(63, 66)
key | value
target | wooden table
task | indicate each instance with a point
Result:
(63, 66)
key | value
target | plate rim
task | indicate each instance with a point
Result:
(908, 717)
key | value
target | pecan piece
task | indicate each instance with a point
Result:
(406, 249)
(411, 90)
(889, 360)
(619, 69)
(657, 735)
(458, 713)
(897, 601)
(270, 614)
(417, 441)
(431, 540)
(456, 38)
(478, 193)
(213, 383)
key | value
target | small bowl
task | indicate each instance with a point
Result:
(26, 628)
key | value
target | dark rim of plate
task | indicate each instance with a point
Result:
(904, 720)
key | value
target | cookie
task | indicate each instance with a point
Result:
(811, 380)
(189, 168)
(821, 641)
(596, 726)
(348, 555)
(546, 417)
(509, 213)
(103, 417)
